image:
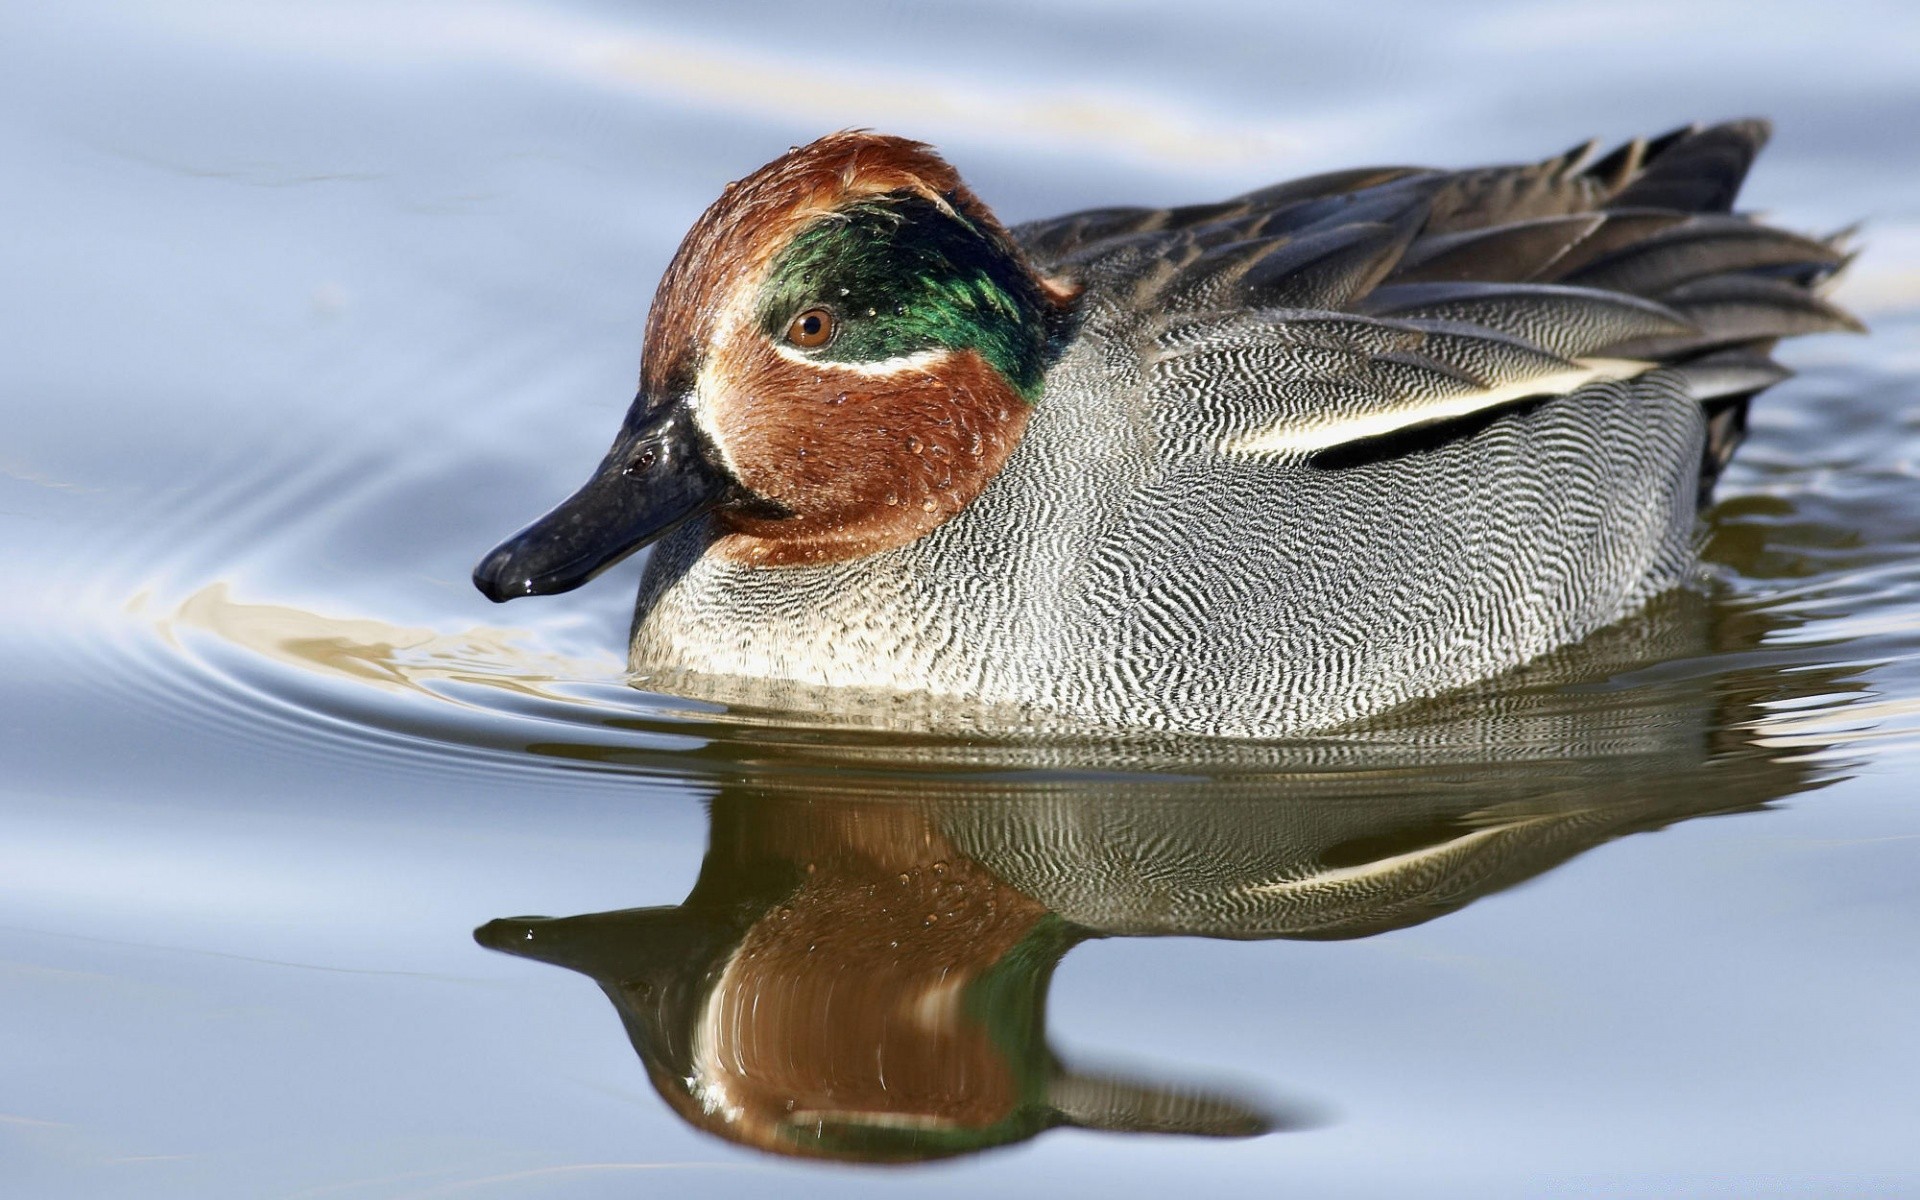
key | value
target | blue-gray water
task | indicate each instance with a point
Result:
(305, 304)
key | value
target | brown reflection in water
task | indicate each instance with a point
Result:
(849, 1004)
(861, 970)
(844, 981)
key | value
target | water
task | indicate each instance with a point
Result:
(309, 303)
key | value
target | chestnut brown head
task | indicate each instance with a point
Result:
(841, 356)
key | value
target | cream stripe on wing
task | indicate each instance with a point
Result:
(1312, 436)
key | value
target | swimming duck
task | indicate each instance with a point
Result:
(1247, 468)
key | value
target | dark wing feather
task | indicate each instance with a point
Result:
(1618, 229)
(1734, 309)
(1499, 253)
(1566, 320)
(1053, 242)
(1326, 269)
(1388, 294)
(1489, 196)
(1694, 169)
(1048, 243)
(1697, 248)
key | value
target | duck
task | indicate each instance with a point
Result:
(1253, 468)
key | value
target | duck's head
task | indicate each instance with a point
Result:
(840, 357)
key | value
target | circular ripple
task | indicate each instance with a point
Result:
(243, 614)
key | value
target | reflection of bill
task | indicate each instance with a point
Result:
(862, 972)
(843, 981)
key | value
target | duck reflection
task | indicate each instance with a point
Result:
(844, 980)
(861, 970)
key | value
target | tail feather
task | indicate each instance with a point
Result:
(1700, 247)
(1694, 169)
(1728, 310)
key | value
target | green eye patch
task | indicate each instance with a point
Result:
(903, 275)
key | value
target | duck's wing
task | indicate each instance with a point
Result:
(1060, 242)
(1322, 316)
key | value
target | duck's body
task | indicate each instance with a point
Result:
(1284, 462)
(1122, 570)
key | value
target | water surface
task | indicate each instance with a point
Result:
(309, 303)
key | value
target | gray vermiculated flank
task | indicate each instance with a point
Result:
(1131, 567)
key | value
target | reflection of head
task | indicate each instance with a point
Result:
(843, 983)
(863, 973)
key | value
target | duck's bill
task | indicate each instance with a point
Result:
(630, 943)
(657, 476)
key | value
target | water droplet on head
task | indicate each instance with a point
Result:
(928, 505)
(892, 499)
(913, 445)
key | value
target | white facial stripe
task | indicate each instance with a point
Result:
(804, 1117)
(919, 361)
(702, 402)
(711, 1080)
(734, 320)
(1310, 438)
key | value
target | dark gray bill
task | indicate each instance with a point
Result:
(657, 475)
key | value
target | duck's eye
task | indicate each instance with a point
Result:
(811, 329)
